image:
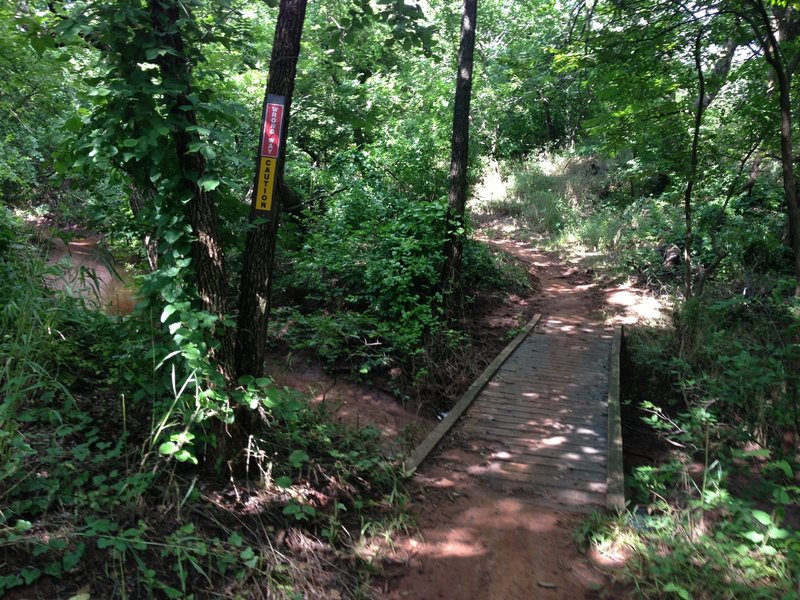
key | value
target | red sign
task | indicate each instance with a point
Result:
(273, 119)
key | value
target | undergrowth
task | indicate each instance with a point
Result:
(718, 517)
(100, 495)
(359, 288)
(713, 516)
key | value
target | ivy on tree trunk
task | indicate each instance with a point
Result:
(201, 211)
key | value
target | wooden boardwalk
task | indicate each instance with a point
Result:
(539, 418)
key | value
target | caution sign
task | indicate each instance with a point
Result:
(271, 129)
(265, 183)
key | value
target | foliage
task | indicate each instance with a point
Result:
(84, 435)
(114, 120)
(716, 517)
(734, 550)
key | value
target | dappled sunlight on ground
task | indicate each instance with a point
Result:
(481, 545)
(634, 306)
(490, 535)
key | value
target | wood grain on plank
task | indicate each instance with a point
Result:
(430, 442)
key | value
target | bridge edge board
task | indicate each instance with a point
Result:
(615, 495)
(422, 451)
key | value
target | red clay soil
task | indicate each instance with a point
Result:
(475, 542)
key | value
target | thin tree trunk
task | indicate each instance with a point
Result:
(787, 167)
(259, 255)
(693, 160)
(783, 75)
(457, 196)
(137, 200)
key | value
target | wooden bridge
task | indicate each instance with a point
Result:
(543, 418)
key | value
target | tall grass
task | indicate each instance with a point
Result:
(29, 336)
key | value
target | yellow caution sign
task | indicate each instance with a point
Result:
(265, 184)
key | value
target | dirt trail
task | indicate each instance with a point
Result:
(477, 543)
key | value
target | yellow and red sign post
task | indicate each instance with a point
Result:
(267, 169)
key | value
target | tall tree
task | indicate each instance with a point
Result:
(693, 163)
(457, 195)
(259, 256)
(776, 30)
(175, 65)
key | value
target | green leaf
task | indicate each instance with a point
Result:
(754, 536)
(234, 539)
(171, 592)
(762, 517)
(30, 574)
(783, 466)
(168, 448)
(172, 235)
(777, 533)
(676, 589)
(22, 526)
(298, 457)
(186, 456)
(207, 183)
(73, 557)
(169, 310)
(284, 482)
(73, 124)
(106, 542)
(152, 53)
(781, 496)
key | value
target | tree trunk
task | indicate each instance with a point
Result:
(783, 75)
(457, 196)
(138, 199)
(201, 211)
(552, 132)
(693, 161)
(259, 255)
(787, 166)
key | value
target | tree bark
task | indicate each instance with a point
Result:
(259, 255)
(457, 196)
(201, 211)
(783, 77)
(773, 53)
(693, 161)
